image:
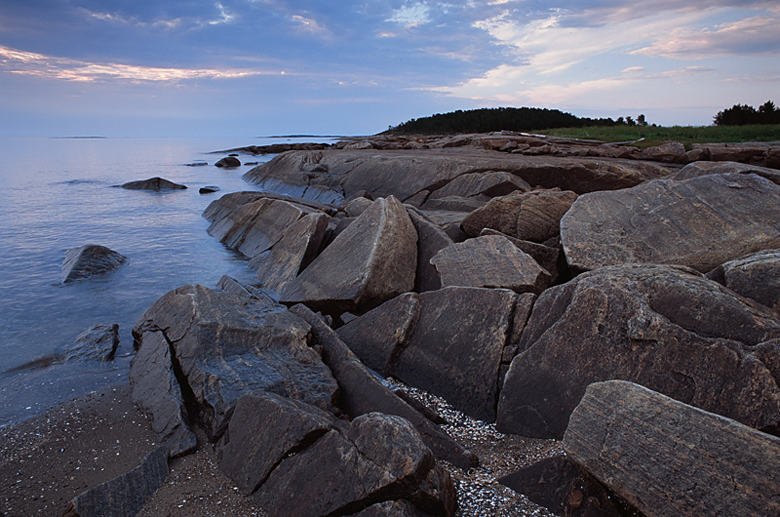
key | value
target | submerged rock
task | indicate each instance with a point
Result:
(97, 343)
(155, 184)
(228, 162)
(89, 260)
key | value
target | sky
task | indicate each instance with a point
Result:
(276, 67)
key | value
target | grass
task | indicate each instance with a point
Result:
(686, 134)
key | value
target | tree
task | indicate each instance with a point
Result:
(641, 120)
(739, 115)
(630, 121)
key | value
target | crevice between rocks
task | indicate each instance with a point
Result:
(191, 406)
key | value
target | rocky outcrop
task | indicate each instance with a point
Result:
(668, 458)
(696, 169)
(157, 184)
(97, 343)
(701, 222)
(490, 261)
(529, 216)
(221, 346)
(371, 261)
(756, 276)
(125, 495)
(89, 260)
(664, 327)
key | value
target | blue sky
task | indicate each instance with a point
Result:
(262, 67)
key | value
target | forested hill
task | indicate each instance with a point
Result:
(485, 120)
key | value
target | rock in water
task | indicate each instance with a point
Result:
(371, 261)
(89, 260)
(490, 261)
(667, 458)
(97, 343)
(701, 222)
(155, 184)
(667, 328)
(208, 189)
(228, 162)
(224, 345)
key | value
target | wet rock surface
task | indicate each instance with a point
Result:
(97, 343)
(156, 184)
(89, 260)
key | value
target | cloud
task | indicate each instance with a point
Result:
(411, 15)
(308, 24)
(224, 16)
(38, 65)
(751, 36)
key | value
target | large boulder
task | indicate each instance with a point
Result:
(667, 328)
(455, 348)
(156, 184)
(530, 216)
(756, 276)
(701, 222)
(668, 458)
(372, 260)
(490, 261)
(89, 260)
(224, 345)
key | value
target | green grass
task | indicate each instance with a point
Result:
(685, 134)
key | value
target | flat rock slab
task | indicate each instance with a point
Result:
(125, 495)
(489, 184)
(373, 260)
(456, 346)
(756, 276)
(156, 184)
(226, 345)
(645, 324)
(384, 173)
(530, 216)
(89, 260)
(696, 169)
(490, 261)
(701, 222)
(667, 458)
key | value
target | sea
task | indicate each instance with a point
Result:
(61, 193)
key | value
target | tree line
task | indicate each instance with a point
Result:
(742, 114)
(485, 120)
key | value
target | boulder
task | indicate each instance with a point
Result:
(667, 328)
(155, 184)
(430, 240)
(668, 152)
(563, 487)
(489, 184)
(378, 336)
(490, 261)
(737, 152)
(468, 326)
(530, 216)
(224, 345)
(208, 189)
(701, 222)
(454, 203)
(156, 392)
(97, 343)
(357, 206)
(548, 254)
(89, 260)
(123, 496)
(668, 458)
(228, 162)
(362, 392)
(373, 260)
(756, 276)
(696, 169)
(297, 246)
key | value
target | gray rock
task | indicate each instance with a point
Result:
(645, 324)
(89, 260)
(702, 222)
(208, 189)
(469, 327)
(530, 216)
(296, 248)
(454, 203)
(97, 343)
(548, 254)
(489, 184)
(756, 276)
(372, 261)
(398, 508)
(668, 458)
(490, 261)
(123, 496)
(155, 184)
(228, 162)
(225, 345)
(430, 240)
(704, 168)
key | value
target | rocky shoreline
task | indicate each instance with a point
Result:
(546, 289)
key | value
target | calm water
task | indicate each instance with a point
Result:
(57, 194)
